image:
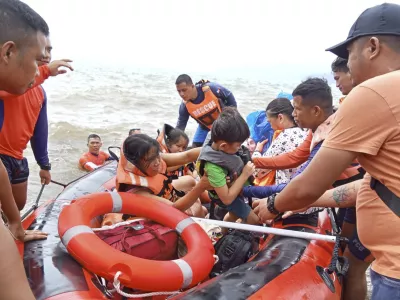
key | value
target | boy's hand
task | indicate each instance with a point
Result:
(204, 183)
(248, 169)
(229, 182)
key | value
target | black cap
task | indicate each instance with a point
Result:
(382, 19)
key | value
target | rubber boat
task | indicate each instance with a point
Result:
(284, 267)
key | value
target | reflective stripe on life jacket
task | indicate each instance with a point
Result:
(386, 195)
(127, 173)
(208, 110)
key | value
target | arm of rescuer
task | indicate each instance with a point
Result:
(286, 160)
(108, 156)
(217, 179)
(186, 201)
(263, 191)
(181, 158)
(341, 196)
(44, 73)
(86, 164)
(40, 135)
(183, 117)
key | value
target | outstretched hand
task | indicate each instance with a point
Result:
(260, 145)
(19, 234)
(33, 235)
(56, 65)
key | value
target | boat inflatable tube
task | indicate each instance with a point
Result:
(137, 273)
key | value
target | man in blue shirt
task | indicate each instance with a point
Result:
(202, 101)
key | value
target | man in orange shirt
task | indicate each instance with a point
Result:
(94, 158)
(372, 136)
(359, 256)
(22, 41)
(32, 125)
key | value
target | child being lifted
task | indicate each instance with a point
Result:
(218, 159)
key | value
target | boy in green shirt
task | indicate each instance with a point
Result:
(218, 160)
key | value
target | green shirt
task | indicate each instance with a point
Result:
(216, 176)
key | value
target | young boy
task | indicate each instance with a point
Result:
(218, 160)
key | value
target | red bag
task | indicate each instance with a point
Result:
(144, 239)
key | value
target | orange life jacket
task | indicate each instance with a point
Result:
(161, 138)
(269, 178)
(208, 110)
(127, 173)
(89, 161)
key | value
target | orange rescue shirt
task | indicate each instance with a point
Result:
(20, 113)
(368, 123)
(90, 161)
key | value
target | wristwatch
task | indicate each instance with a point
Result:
(271, 205)
(46, 167)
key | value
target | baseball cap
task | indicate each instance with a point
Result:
(382, 19)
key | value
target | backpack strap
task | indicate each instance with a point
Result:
(386, 195)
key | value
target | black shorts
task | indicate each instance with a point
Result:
(17, 169)
(238, 207)
(350, 215)
(355, 246)
(357, 249)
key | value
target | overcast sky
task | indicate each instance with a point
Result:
(201, 36)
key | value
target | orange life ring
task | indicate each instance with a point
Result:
(146, 275)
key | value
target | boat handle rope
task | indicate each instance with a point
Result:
(59, 183)
(35, 205)
(117, 287)
(332, 266)
(335, 255)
